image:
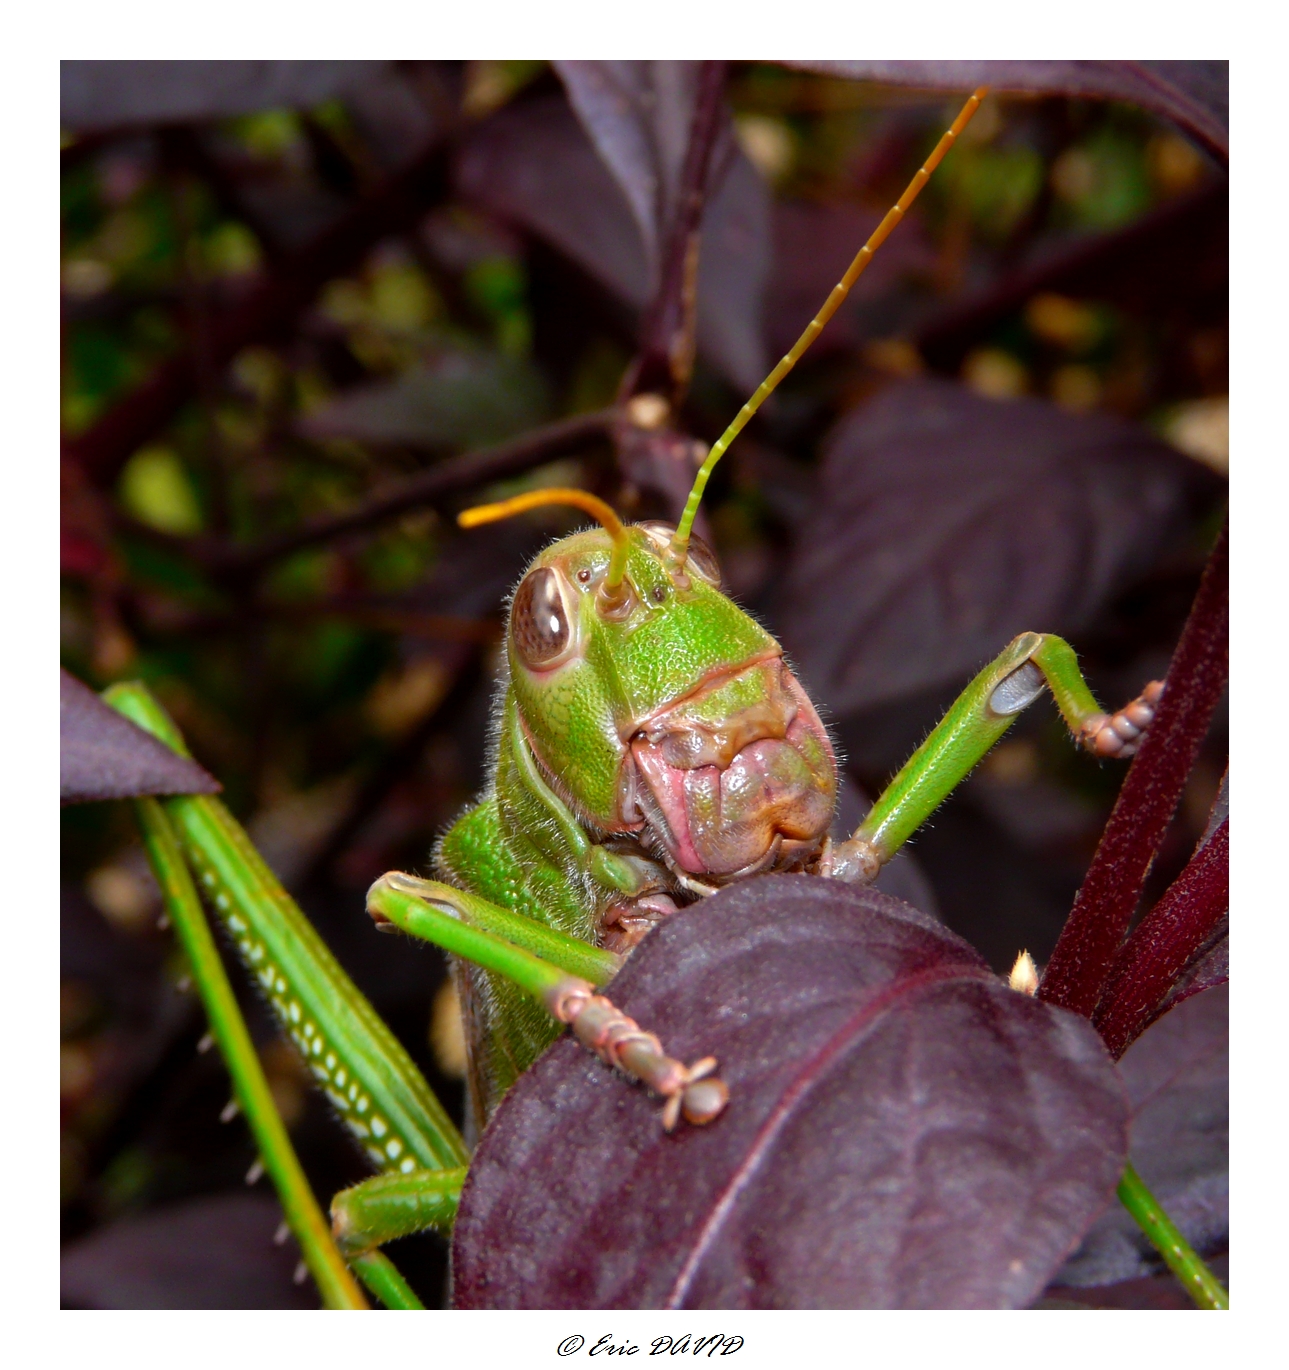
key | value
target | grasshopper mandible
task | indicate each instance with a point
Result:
(650, 745)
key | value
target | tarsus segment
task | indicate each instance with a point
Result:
(370, 1079)
(596, 1022)
(336, 1284)
(620, 1041)
(980, 715)
(680, 541)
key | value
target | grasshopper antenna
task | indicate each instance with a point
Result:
(679, 548)
(613, 594)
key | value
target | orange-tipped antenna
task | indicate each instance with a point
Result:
(679, 548)
(559, 494)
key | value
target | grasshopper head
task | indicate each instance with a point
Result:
(654, 705)
(660, 709)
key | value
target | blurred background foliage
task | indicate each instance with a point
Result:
(295, 295)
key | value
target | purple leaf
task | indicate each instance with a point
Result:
(104, 756)
(215, 1252)
(1194, 95)
(535, 165)
(663, 461)
(814, 243)
(638, 115)
(903, 1129)
(455, 399)
(1164, 1290)
(138, 1014)
(111, 94)
(1176, 1074)
(1210, 969)
(947, 523)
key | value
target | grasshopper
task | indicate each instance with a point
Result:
(650, 745)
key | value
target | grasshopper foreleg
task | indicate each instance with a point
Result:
(470, 927)
(975, 721)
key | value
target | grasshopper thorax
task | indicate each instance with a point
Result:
(667, 714)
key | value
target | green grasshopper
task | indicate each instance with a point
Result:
(650, 746)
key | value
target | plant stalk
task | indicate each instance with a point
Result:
(1085, 952)
(382, 1278)
(1197, 1279)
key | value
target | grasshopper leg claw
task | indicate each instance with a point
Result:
(1119, 734)
(690, 1091)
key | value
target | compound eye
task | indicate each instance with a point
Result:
(538, 619)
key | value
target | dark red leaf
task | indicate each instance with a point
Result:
(104, 756)
(1176, 1075)
(113, 94)
(215, 1252)
(535, 165)
(1194, 95)
(681, 185)
(80, 555)
(1212, 967)
(903, 1129)
(663, 461)
(947, 523)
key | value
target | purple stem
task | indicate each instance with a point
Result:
(1086, 949)
(1163, 944)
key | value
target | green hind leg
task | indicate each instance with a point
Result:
(250, 1088)
(980, 715)
(376, 1089)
